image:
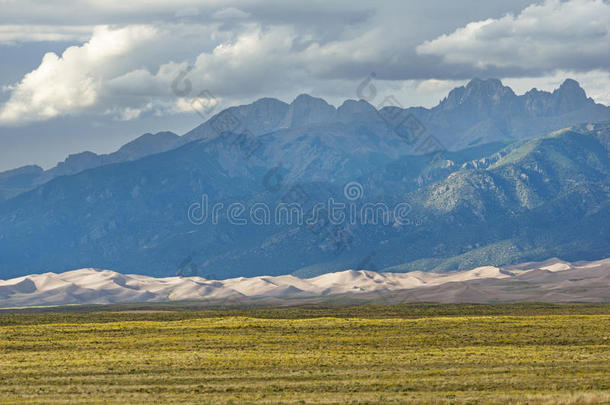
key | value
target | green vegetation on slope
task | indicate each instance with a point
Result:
(381, 354)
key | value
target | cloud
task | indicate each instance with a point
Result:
(187, 12)
(241, 50)
(570, 35)
(73, 81)
(126, 72)
(12, 34)
(89, 94)
(230, 13)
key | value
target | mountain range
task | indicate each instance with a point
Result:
(16, 181)
(481, 112)
(509, 179)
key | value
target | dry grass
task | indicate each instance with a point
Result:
(535, 358)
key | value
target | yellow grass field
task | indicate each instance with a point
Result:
(519, 354)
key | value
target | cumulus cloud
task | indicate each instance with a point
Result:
(570, 35)
(125, 72)
(73, 81)
(240, 50)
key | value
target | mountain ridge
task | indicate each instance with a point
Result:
(480, 103)
(480, 112)
(144, 145)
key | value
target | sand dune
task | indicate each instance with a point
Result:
(553, 280)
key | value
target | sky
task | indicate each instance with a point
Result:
(94, 74)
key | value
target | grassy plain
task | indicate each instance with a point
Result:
(520, 354)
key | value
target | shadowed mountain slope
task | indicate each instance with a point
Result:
(492, 204)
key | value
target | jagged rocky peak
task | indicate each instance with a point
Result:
(492, 84)
(306, 99)
(479, 92)
(491, 88)
(571, 88)
(73, 164)
(78, 158)
(269, 106)
(305, 110)
(570, 96)
(492, 97)
(263, 115)
(361, 110)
